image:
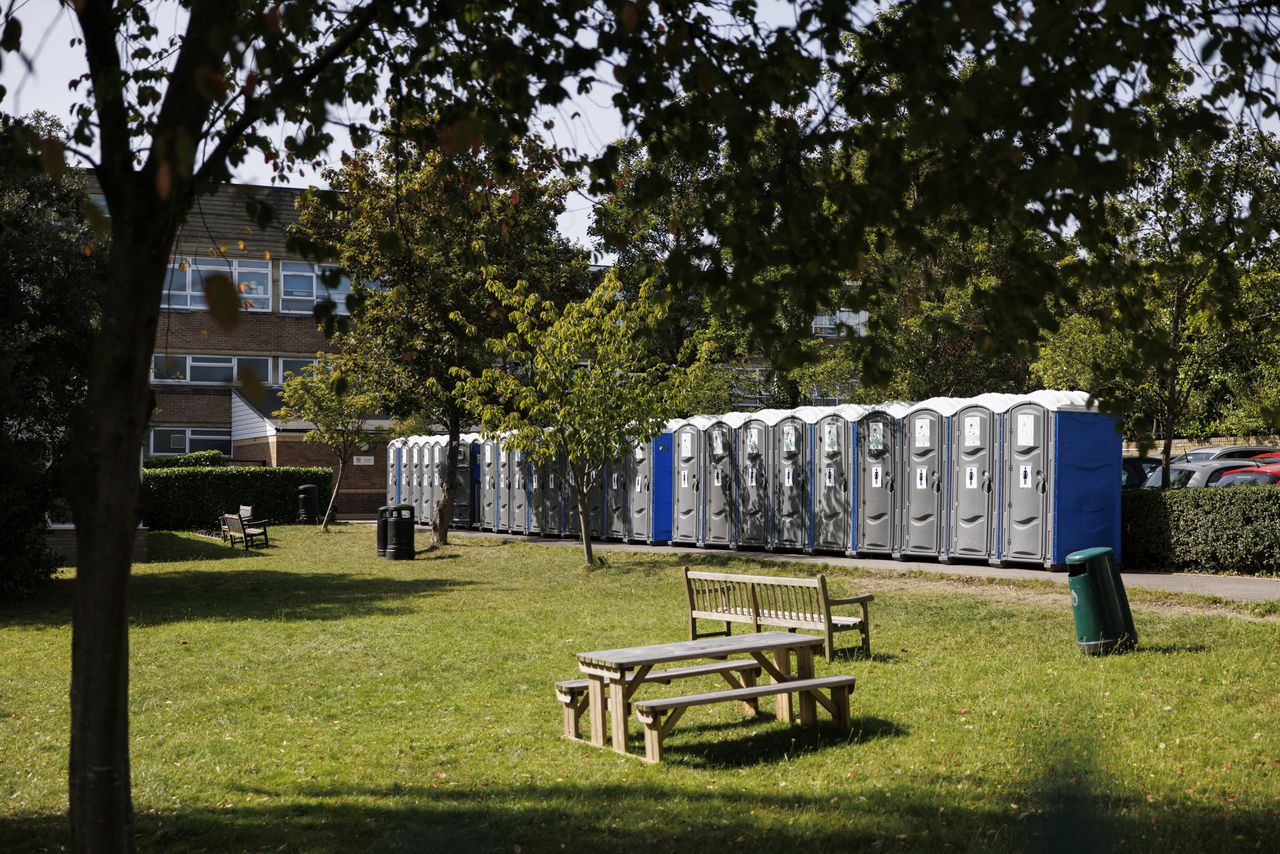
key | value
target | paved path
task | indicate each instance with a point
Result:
(1239, 588)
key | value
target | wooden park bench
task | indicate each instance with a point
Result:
(247, 530)
(659, 716)
(572, 693)
(766, 600)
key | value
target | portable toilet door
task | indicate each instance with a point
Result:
(651, 495)
(877, 447)
(504, 488)
(832, 490)
(619, 476)
(428, 481)
(790, 449)
(466, 482)
(488, 486)
(552, 516)
(753, 483)
(415, 474)
(1026, 484)
(439, 451)
(718, 495)
(922, 499)
(518, 523)
(975, 473)
(597, 504)
(394, 448)
(685, 485)
(537, 499)
(404, 485)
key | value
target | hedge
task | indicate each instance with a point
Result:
(1232, 530)
(194, 498)
(178, 461)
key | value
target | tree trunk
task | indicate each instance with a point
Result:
(333, 496)
(444, 506)
(104, 491)
(582, 491)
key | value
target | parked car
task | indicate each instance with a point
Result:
(1226, 452)
(1263, 475)
(1136, 470)
(1197, 473)
(1267, 458)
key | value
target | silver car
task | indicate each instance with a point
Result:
(1197, 473)
(1225, 452)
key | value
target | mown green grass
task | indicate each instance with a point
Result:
(312, 697)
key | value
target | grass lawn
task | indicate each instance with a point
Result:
(313, 697)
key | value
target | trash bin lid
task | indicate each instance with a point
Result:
(1086, 555)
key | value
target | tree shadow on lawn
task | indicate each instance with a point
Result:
(160, 598)
(168, 547)
(653, 815)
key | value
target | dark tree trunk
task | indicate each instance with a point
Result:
(582, 492)
(444, 506)
(105, 494)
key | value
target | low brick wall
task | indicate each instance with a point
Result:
(1181, 446)
(62, 542)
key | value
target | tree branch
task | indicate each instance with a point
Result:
(99, 30)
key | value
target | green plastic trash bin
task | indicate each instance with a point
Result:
(1104, 622)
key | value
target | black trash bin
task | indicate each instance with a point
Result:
(399, 522)
(309, 504)
(1104, 622)
(384, 513)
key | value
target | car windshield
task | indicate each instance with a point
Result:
(1249, 478)
(1178, 478)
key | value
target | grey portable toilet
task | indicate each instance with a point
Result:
(877, 470)
(833, 479)
(439, 452)
(925, 478)
(417, 495)
(719, 481)
(395, 451)
(1060, 483)
(975, 476)
(686, 479)
(790, 464)
(595, 509)
(504, 487)
(536, 491)
(553, 499)
(754, 495)
(619, 476)
(489, 466)
(467, 481)
(518, 501)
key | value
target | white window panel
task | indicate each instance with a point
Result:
(260, 366)
(253, 284)
(208, 370)
(200, 439)
(181, 440)
(212, 369)
(294, 366)
(302, 285)
(165, 368)
(178, 286)
(184, 282)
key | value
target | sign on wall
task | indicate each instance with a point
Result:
(362, 460)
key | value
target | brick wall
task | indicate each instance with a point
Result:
(254, 450)
(192, 406)
(1183, 445)
(182, 332)
(364, 488)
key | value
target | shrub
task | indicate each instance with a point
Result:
(194, 498)
(1233, 530)
(179, 461)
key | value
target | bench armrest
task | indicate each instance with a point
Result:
(852, 600)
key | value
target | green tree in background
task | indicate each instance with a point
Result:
(429, 229)
(51, 274)
(331, 396)
(1194, 247)
(580, 387)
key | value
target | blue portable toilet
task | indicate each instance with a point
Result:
(1060, 478)
(650, 494)
(925, 478)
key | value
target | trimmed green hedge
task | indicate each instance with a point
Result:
(1233, 530)
(182, 461)
(194, 498)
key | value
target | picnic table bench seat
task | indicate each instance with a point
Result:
(572, 693)
(776, 601)
(660, 715)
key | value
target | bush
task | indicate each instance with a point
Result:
(1233, 530)
(180, 461)
(194, 498)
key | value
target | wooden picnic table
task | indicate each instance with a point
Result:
(771, 650)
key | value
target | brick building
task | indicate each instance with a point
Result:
(199, 369)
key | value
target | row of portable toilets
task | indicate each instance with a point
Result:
(997, 478)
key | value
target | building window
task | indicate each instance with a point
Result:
(209, 370)
(182, 440)
(294, 366)
(302, 285)
(184, 282)
(833, 324)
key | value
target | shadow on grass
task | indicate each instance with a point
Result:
(172, 597)
(168, 547)
(755, 749)
(1168, 648)
(650, 814)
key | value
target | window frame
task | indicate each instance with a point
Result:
(187, 361)
(185, 266)
(204, 433)
(319, 291)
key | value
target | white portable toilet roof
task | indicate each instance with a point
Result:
(942, 405)
(771, 416)
(895, 408)
(734, 419)
(1054, 400)
(813, 414)
(852, 411)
